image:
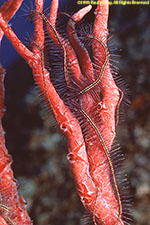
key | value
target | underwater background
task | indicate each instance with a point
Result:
(39, 150)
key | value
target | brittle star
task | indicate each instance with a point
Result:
(86, 118)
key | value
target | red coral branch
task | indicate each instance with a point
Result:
(8, 10)
(98, 150)
(12, 205)
(87, 120)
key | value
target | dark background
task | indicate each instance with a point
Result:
(38, 149)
